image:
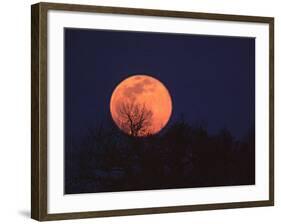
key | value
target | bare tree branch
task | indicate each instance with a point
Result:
(134, 119)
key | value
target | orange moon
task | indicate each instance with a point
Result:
(140, 105)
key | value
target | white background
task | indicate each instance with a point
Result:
(15, 112)
(60, 203)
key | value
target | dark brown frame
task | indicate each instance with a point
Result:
(39, 110)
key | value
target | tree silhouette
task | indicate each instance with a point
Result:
(135, 119)
(183, 156)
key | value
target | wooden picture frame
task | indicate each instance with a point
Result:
(39, 108)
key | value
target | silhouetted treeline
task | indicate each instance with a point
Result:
(182, 156)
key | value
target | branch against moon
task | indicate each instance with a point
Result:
(135, 119)
(143, 92)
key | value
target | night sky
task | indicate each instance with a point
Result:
(210, 78)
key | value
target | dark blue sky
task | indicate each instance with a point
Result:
(211, 78)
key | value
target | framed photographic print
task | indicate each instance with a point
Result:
(138, 111)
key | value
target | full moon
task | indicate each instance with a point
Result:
(140, 105)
